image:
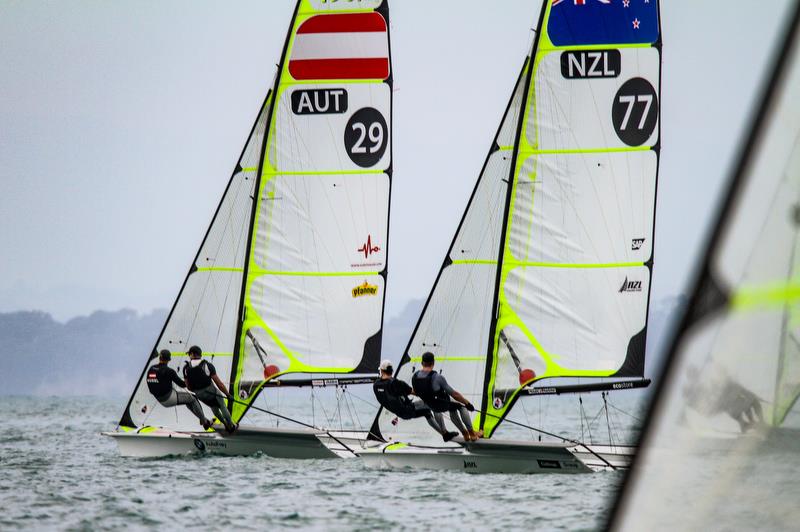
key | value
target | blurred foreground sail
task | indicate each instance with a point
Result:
(723, 445)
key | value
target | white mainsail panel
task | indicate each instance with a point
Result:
(315, 281)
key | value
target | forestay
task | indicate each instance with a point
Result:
(737, 350)
(550, 276)
(314, 285)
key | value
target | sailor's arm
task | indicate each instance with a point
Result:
(460, 398)
(177, 380)
(453, 393)
(220, 384)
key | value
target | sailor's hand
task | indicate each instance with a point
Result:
(470, 407)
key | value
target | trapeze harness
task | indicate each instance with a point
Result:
(438, 401)
(199, 378)
(159, 380)
(386, 391)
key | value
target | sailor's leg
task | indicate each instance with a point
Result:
(433, 423)
(222, 411)
(457, 422)
(192, 404)
(439, 418)
(422, 410)
(170, 400)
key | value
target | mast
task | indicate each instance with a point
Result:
(506, 207)
(256, 191)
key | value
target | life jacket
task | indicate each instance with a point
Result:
(159, 381)
(197, 377)
(399, 405)
(423, 387)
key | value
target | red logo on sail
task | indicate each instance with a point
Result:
(341, 46)
(368, 249)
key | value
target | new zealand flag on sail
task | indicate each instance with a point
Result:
(578, 22)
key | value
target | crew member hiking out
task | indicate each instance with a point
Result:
(432, 388)
(161, 377)
(201, 378)
(393, 394)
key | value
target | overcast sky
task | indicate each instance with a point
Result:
(120, 123)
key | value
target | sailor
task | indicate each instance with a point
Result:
(161, 377)
(201, 378)
(393, 394)
(718, 392)
(433, 388)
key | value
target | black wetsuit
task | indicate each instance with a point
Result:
(392, 394)
(160, 378)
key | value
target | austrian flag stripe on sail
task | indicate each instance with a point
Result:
(341, 46)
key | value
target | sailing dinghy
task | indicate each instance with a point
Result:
(287, 289)
(548, 275)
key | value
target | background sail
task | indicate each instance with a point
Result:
(736, 350)
(577, 251)
(316, 269)
(206, 310)
(454, 324)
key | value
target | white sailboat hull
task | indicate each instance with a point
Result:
(275, 442)
(498, 456)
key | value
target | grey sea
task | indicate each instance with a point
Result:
(59, 473)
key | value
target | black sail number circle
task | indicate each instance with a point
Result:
(635, 111)
(366, 137)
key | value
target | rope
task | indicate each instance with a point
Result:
(552, 435)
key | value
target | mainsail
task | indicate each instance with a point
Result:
(304, 262)
(549, 272)
(733, 367)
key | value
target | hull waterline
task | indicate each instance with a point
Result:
(275, 442)
(498, 456)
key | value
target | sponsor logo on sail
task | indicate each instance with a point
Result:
(636, 243)
(365, 289)
(367, 249)
(498, 403)
(630, 286)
